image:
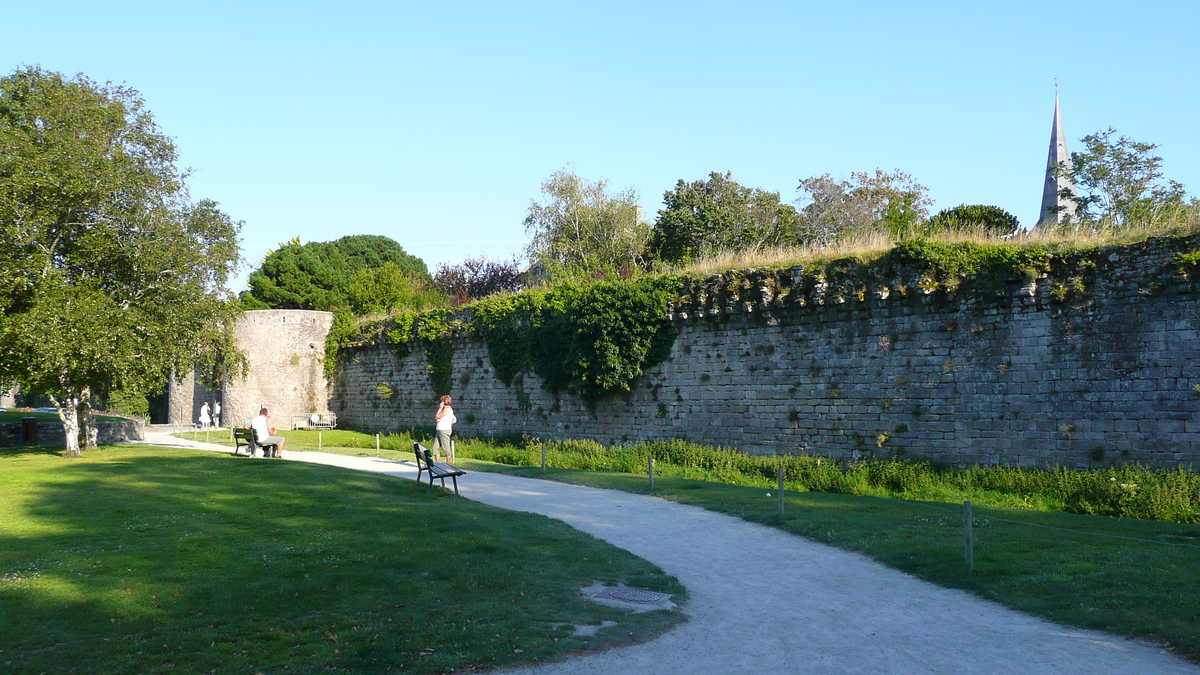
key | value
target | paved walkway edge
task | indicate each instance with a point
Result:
(763, 600)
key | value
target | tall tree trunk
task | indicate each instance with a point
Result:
(69, 414)
(89, 434)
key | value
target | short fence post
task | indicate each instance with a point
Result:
(968, 538)
(376, 445)
(651, 464)
(318, 441)
(781, 491)
(543, 456)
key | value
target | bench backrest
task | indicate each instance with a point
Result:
(424, 457)
(246, 435)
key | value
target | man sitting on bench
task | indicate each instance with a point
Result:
(265, 436)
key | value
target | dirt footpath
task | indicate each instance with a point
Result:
(766, 601)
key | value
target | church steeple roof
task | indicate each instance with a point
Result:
(1055, 208)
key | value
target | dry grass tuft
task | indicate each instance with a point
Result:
(867, 246)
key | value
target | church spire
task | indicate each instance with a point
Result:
(1055, 208)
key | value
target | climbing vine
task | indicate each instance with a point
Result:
(598, 337)
(432, 329)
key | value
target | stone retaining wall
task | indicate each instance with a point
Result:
(1081, 368)
(51, 432)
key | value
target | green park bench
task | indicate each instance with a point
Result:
(245, 438)
(437, 470)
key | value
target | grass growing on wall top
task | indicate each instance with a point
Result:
(598, 336)
(870, 245)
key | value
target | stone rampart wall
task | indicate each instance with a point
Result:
(1082, 369)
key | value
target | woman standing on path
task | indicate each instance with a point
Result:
(445, 424)
(205, 418)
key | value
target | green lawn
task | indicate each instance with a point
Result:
(1145, 587)
(135, 559)
(1131, 577)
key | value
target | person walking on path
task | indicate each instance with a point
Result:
(264, 434)
(205, 418)
(445, 424)
(217, 414)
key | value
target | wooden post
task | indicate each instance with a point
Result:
(543, 456)
(651, 472)
(781, 491)
(318, 441)
(376, 445)
(968, 538)
(451, 458)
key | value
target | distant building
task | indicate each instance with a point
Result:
(1056, 208)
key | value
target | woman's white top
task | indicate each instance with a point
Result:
(446, 422)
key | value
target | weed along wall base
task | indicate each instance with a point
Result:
(961, 353)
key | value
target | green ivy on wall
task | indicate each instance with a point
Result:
(598, 337)
(433, 330)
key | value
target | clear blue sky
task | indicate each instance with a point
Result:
(435, 123)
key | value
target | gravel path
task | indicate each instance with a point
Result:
(763, 600)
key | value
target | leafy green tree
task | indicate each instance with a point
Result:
(389, 287)
(317, 275)
(718, 215)
(887, 202)
(112, 277)
(581, 227)
(1120, 182)
(974, 217)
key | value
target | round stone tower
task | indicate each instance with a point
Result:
(286, 352)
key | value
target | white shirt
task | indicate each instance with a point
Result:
(446, 423)
(261, 431)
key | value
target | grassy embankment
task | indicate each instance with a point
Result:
(134, 559)
(1127, 576)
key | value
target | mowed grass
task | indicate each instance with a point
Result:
(136, 559)
(1130, 577)
(1125, 576)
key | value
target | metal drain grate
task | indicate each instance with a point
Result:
(632, 595)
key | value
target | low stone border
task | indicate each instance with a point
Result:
(51, 433)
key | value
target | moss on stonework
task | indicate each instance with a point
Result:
(598, 337)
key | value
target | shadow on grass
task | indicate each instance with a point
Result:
(1131, 577)
(147, 560)
(30, 450)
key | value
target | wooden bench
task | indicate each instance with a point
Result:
(437, 470)
(245, 438)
